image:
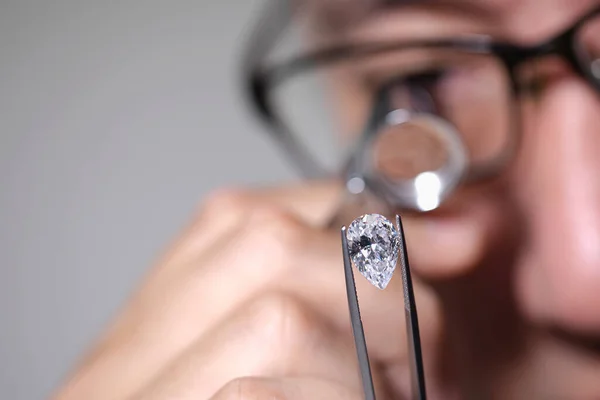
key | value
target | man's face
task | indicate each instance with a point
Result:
(517, 260)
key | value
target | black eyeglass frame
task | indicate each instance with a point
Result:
(260, 79)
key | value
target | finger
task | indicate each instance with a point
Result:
(461, 234)
(275, 336)
(285, 389)
(275, 252)
(226, 209)
(313, 203)
(238, 207)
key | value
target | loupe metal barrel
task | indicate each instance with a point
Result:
(414, 161)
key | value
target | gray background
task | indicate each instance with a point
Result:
(116, 118)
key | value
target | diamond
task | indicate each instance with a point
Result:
(373, 246)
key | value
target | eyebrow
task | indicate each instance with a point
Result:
(474, 8)
(469, 6)
(341, 15)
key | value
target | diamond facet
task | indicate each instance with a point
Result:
(373, 247)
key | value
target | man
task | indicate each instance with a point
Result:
(250, 302)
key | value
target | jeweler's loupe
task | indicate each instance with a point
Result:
(407, 156)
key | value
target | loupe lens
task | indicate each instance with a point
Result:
(415, 163)
(403, 151)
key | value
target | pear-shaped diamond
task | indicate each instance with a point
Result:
(373, 247)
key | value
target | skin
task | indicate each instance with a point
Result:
(249, 302)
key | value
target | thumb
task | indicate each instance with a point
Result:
(312, 202)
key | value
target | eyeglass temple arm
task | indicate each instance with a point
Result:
(275, 17)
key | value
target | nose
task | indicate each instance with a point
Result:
(558, 177)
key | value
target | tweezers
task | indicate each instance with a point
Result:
(412, 323)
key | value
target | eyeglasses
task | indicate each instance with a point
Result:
(321, 106)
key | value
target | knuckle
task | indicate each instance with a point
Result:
(224, 200)
(285, 324)
(250, 388)
(274, 231)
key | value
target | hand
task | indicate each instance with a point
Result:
(250, 303)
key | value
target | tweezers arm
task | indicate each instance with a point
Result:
(357, 326)
(412, 321)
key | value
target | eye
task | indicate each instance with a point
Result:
(473, 94)
(476, 98)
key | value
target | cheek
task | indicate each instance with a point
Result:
(555, 181)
